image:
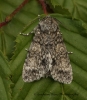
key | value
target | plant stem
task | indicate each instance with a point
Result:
(42, 2)
(9, 18)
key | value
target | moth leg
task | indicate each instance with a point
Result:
(39, 17)
(33, 31)
(70, 52)
(26, 49)
(26, 34)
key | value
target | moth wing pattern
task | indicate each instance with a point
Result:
(61, 70)
(32, 70)
(47, 55)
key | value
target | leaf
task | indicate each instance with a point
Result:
(11, 30)
(77, 8)
(13, 47)
(75, 41)
(5, 91)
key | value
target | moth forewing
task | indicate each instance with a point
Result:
(47, 54)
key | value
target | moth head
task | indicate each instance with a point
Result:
(48, 24)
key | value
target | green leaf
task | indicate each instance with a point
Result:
(77, 8)
(13, 47)
(11, 30)
(75, 41)
(5, 91)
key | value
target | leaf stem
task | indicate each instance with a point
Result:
(9, 18)
(42, 2)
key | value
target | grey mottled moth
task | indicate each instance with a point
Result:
(47, 54)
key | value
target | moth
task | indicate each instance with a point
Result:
(47, 54)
